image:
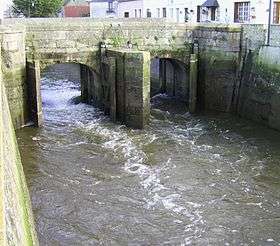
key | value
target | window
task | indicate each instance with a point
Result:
(135, 13)
(186, 14)
(110, 7)
(242, 12)
(276, 13)
(126, 14)
(158, 12)
(213, 13)
(149, 13)
(198, 17)
(140, 13)
(164, 12)
(171, 12)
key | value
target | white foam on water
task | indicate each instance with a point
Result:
(159, 195)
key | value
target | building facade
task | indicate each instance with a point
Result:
(103, 8)
(192, 11)
(6, 7)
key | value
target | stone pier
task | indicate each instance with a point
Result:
(132, 87)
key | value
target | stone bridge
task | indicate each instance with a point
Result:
(119, 60)
(122, 62)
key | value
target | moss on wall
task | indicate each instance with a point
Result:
(181, 54)
(18, 225)
(260, 87)
(12, 44)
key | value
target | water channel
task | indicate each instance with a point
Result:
(185, 180)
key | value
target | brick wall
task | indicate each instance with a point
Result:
(76, 11)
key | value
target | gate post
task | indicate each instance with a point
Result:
(193, 83)
(108, 78)
(84, 73)
(113, 95)
(34, 92)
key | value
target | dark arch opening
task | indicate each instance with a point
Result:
(169, 85)
(170, 76)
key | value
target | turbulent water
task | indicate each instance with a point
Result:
(185, 180)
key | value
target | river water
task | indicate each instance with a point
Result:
(185, 180)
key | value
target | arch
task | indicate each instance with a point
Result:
(89, 58)
(170, 76)
(180, 54)
(45, 63)
(88, 77)
(89, 80)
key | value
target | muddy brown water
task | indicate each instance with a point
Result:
(185, 180)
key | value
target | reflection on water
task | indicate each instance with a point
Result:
(203, 180)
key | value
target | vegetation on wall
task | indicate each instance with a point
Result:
(37, 8)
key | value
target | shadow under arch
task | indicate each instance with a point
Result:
(170, 76)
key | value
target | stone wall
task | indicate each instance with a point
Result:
(255, 35)
(275, 35)
(16, 222)
(12, 43)
(260, 87)
(68, 71)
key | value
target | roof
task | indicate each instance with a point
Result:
(101, 1)
(210, 3)
(75, 2)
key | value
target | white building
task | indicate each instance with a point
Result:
(103, 8)
(6, 6)
(220, 11)
(1, 12)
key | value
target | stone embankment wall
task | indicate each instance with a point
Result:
(259, 97)
(16, 220)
